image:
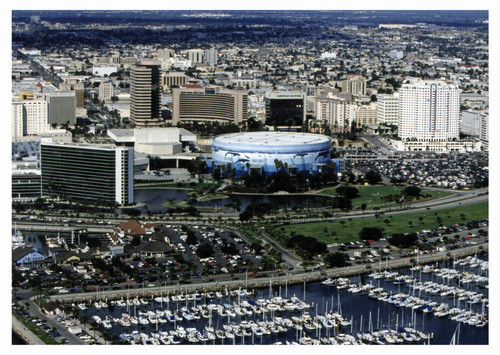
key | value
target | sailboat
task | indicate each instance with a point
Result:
(455, 339)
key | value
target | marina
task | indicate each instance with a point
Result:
(419, 305)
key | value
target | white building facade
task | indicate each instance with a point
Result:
(336, 111)
(30, 118)
(470, 122)
(388, 109)
(429, 110)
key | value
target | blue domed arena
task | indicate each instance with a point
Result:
(266, 152)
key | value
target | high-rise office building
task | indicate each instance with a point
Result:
(145, 93)
(209, 104)
(77, 87)
(88, 172)
(429, 110)
(388, 109)
(285, 108)
(62, 107)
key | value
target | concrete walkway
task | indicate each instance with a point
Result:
(25, 333)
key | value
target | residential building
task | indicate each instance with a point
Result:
(165, 53)
(484, 135)
(105, 91)
(145, 93)
(172, 79)
(354, 84)
(387, 109)
(30, 118)
(470, 122)
(336, 111)
(87, 172)
(209, 104)
(429, 111)
(17, 120)
(365, 115)
(211, 57)
(195, 55)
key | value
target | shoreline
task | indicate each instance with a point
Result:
(311, 276)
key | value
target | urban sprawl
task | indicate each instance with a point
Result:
(175, 173)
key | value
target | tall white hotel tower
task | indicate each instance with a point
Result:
(429, 110)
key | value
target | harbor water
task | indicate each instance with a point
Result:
(361, 313)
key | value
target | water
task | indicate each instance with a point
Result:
(37, 240)
(154, 198)
(17, 340)
(326, 298)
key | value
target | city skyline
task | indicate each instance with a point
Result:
(178, 175)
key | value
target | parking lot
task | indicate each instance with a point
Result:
(452, 170)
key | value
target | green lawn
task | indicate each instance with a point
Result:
(47, 339)
(371, 194)
(349, 231)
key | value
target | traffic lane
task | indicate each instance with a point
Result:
(35, 312)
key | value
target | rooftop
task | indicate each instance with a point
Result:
(272, 138)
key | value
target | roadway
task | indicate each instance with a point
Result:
(292, 276)
(34, 310)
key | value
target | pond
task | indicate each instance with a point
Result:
(154, 198)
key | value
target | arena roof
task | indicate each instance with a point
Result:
(272, 138)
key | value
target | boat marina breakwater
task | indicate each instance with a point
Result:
(276, 281)
(423, 304)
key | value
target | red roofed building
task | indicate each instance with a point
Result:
(133, 228)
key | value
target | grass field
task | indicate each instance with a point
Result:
(399, 223)
(371, 194)
(47, 339)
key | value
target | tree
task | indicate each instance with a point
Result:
(337, 259)
(347, 191)
(204, 250)
(370, 233)
(403, 240)
(191, 238)
(413, 191)
(373, 177)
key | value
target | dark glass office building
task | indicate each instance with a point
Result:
(26, 185)
(87, 172)
(145, 93)
(285, 109)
